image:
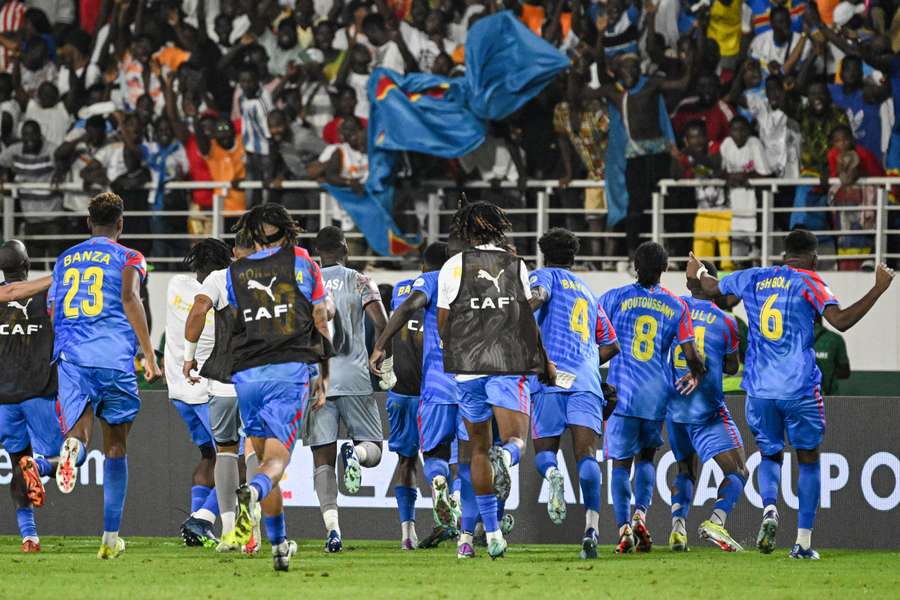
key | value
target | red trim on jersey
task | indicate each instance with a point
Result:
(60, 417)
(318, 291)
(295, 424)
(729, 425)
(522, 407)
(606, 333)
(419, 421)
(732, 340)
(820, 402)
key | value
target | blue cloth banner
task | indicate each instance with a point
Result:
(506, 66)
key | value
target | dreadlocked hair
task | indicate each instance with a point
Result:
(480, 223)
(254, 222)
(207, 256)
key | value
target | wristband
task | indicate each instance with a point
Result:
(701, 272)
(190, 348)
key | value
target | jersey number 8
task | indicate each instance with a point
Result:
(644, 333)
(93, 276)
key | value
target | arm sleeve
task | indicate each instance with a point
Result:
(367, 289)
(318, 286)
(736, 283)
(135, 260)
(606, 334)
(541, 279)
(816, 292)
(524, 278)
(214, 288)
(425, 287)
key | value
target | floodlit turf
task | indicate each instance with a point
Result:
(67, 569)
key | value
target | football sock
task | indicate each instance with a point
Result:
(198, 496)
(45, 469)
(456, 488)
(406, 502)
(769, 477)
(621, 493)
(115, 485)
(804, 538)
(82, 454)
(368, 454)
(487, 507)
(544, 461)
(469, 504)
(644, 476)
(25, 519)
(590, 479)
(325, 483)
(730, 491)
(263, 485)
(210, 509)
(682, 496)
(435, 466)
(808, 490)
(679, 525)
(227, 478)
(501, 506)
(511, 453)
(275, 528)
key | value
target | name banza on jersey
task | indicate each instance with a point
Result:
(437, 386)
(781, 304)
(89, 320)
(647, 322)
(715, 336)
(572, 326)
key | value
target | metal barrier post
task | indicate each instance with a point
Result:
(656, 217)
(879, 224)
(541, 224)
(766, 225)
(218, 219)
(323, 209)
(9, 228)
(434, 219)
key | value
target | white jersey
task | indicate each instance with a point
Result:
(215, 287)
(179, 300)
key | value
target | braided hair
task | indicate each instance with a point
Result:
(255, 220)
(207, 256)
(480, 223)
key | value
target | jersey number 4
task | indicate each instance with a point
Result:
(91, 307)
(699, 337)
(578, 321)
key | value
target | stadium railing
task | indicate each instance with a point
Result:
(532, 213)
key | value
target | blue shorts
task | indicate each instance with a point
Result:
(438, 424)
(477, 397)
(196, 417)
(627, 436)
(708, 440)
(553, 412)
(804, 421)
(32, 422)
(112, 394)
(272, 409)
(402, 414)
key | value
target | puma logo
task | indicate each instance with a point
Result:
(482, 274)
(23, 308)
(255, 285)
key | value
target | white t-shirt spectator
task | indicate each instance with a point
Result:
(91, 74)
(360, 84)
(422, 47)
(354, 164)
(493, 161)
(112, 157)
(750, 158)
(176, 164)
(764, 49)
(179, 300)
(215, 287)
(356, 37)
(448, 286)
(389, 56)
(780, 137)
(54, 121)
(254, 122)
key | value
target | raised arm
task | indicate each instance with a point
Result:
(843, 319)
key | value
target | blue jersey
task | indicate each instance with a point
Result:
(781, 304)
(309, 281)
(572, 326)
(437, 386)
(89, 322)
(647, 321)
(715, 336)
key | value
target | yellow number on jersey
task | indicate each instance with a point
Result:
(699, 336)
(771, 323)
(90, 307)
(579, 319)
(644, 333)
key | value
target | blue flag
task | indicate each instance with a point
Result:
(506, 66)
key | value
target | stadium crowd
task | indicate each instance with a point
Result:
(119, 94)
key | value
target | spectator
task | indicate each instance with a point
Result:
(849, 161)
(10, 111)
(346, 165)
(167, 161)
(743, 157)
(779, 49)
(34, 68)
(620, 29)
(831, 357)
(31, 161)
(712, 225)
(74, 159)
(78, 73)
(225, 157)
(131, 186)
(389, 53)
(779, 133)
(295, 153)
(46, 109)
(254, 104)
(283, 47)
(863, 106)
(344, 107)
(355, 73)
(707, 107)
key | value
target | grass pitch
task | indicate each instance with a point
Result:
(67, 569)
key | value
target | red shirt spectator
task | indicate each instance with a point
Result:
(706, 107)
(330, 131)
(868, 163)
